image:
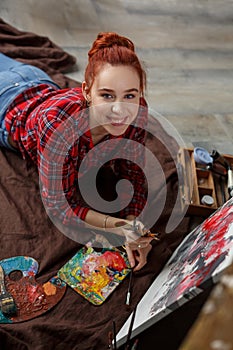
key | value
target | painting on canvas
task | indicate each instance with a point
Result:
(198, 261)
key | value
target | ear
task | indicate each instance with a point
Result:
(84, 90)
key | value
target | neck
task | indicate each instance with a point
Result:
(97, 136)
(97, 131)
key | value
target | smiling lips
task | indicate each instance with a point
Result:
(118, 122)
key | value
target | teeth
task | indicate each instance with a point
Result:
(117, 121)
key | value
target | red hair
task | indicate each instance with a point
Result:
(116, 50)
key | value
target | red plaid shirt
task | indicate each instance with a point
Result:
(51, 128)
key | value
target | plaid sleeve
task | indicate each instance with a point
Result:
(57, 164)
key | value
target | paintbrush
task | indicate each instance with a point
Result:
(135, 345)
(127, 345)
(128, 295)
(145, 233)
(7, 302)
(110, 340)
(114, 335)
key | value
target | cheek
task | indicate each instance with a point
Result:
(100, 111)
(133, 110)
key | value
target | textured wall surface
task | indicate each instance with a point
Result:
(186, 47)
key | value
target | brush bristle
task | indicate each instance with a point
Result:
(8, 306)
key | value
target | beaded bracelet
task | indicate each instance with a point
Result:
(105, 222)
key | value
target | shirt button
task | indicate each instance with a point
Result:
(16, 84)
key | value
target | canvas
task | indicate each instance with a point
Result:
(197, 263)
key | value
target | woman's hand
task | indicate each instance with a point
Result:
(137, 246)
(131, 232)
(138, 251)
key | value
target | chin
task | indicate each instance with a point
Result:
(117, 131)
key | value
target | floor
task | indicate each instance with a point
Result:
(186, 47)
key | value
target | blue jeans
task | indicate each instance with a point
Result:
(15, 77)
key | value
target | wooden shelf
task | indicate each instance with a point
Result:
(198, 182)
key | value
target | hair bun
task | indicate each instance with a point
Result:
(108, 40)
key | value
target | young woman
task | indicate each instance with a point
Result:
(56, 129)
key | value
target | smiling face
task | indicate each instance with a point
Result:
(114, 96)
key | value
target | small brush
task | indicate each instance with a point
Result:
(7, 302)
(129, 291)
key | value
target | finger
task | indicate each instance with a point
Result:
(140, 243)
(130, 256)
(136, 246)
(131, 236)
(140, 264)
(144, 242)
(142, 253)
(142, 257)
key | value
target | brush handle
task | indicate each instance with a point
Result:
(2, 284)
(230, 182)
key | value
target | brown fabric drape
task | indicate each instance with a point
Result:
(39, 51)
(25, 229)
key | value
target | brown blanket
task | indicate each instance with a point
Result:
(39, 51)
(25, 229)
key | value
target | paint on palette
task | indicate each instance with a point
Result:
(31, 298)
(95, 275)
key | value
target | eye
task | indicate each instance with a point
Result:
(129, 96)
(107, 96)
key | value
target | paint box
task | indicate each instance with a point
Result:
(198, 183)
(95, 274)
(196, 264)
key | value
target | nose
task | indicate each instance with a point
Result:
(117, 108)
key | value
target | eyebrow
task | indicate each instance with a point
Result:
(110, 90)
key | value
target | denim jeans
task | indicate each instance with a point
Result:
(15, 77)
